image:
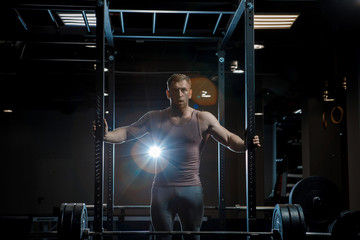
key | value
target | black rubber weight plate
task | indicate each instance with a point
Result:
(319, 198)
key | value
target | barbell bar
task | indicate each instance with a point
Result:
(87, 233)
(201, 233)
(236, 207)
(288, 223)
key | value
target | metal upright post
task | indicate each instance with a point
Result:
(99, 143)
(110, 146)
(250, 116)
(221, 149)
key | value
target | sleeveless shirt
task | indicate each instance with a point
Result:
(181, 145)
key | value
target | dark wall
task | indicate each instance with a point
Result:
(321, 148)
(46, 159)
(353, 137)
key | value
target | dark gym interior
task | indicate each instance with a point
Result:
(307, 110)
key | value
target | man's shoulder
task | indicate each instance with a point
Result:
(206, 119)
(153, 112)
(155, 115)
(205, 114)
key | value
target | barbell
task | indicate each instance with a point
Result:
(288, 223)
(313, 200)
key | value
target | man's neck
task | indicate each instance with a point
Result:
(180, 112)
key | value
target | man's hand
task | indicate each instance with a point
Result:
(256, 141)
(106, 128)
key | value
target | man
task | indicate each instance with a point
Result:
(181, 132)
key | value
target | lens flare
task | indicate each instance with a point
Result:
(154, 151)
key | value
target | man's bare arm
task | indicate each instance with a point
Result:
(224, 136)
(127, 133)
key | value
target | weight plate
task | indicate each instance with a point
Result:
(288, 222)
(277, 222)
(298, 226)
(346, 226)
(61, 218)
(319, 198)
(66, 226)
(80, 221)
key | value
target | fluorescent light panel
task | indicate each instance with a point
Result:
(76, 19)
(271, 21)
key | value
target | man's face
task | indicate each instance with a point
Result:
(179, 94)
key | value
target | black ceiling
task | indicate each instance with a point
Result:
(38, 53)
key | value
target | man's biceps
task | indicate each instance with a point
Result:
(218, 134)
(137, 131)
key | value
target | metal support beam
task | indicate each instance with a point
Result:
(154, 22)
(232, 24)
(165, 38)
(86, 21)
(250, 115)
(53, 19)
(122, 22)
(170, 11)
(186, 22)
(221, 149)
(217, 23)
(99, 120)
(21, 20)
(110, 147)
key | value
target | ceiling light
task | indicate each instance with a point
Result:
(298, 111)
(7, 111)
(77, 19)
(271, 21)
(238, 71)
(258, 46)
(259, 114)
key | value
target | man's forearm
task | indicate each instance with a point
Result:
(117, 136)
(236, 144)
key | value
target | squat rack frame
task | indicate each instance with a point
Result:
(105, 51)
(104, 34)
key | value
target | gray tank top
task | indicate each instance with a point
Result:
(181, 145)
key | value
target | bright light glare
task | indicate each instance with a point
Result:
(238, 71)
(154, 151)
(298, 111)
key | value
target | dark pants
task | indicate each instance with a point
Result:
(186, 202)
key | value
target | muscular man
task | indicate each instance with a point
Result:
(181, 132)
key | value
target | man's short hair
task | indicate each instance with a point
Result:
(177, 77)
